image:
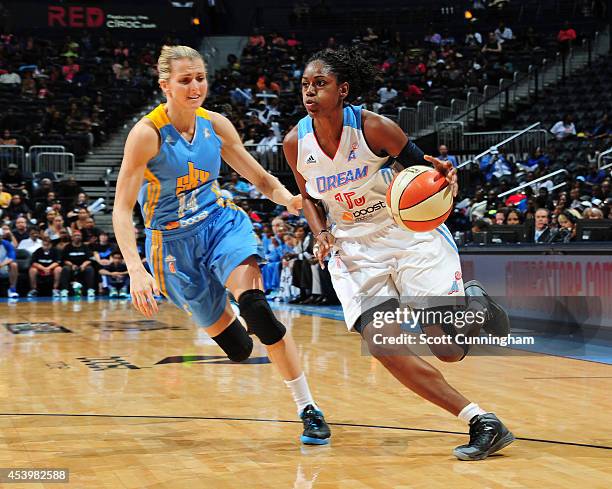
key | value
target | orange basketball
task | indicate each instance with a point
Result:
(419, 199)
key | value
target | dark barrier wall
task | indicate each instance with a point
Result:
(547, 286)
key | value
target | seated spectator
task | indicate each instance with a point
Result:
(567, 227)
(28, 86)
(70, 69)
(387, 93)
(53, 231)
(500, 217)
(90, 232)
(602, 129)
(564, 128)
(81, 219)
(14, 180)
(503, 33)
(7, 138)
(237, 187)
(267, 148)
(5, 198)
(595, 175)
(7, 235)
(444, 156)
(63, 240)
(11, 77)
(8, 267)
(117, 276)
(302, 272)
(492, 47)
(20, 232)
(592, 213)
(102, 249)
(566, 38)
(494, 166)
(537, 160)
(45, 268)
(32, 243)
(77, 270)
(18, 208)
(514, 217)
(473, 39)
(542, 231)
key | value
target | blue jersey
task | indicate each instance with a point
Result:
(180, 186)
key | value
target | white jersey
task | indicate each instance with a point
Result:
(352, 185)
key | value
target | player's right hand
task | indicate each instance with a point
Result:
(323, 246)
(142, 288)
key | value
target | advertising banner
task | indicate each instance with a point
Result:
(135, 18)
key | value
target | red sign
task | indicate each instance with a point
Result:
(75, 16)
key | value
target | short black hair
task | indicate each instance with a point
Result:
(348, 65)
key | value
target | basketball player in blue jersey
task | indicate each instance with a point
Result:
(198, 244)
(340, 156)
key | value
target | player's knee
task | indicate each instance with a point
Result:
(260, 319)
(235, 342)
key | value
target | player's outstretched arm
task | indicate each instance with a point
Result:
(236, 156)
(141, 145)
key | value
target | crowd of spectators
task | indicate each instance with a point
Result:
(72, 92)
(78, 94)
(56, 241)
(259, 90)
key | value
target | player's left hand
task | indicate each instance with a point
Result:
(295, 204)
(447, 169)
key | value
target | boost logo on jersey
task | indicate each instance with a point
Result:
(363, 214)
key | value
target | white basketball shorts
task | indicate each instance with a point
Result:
(394, 263)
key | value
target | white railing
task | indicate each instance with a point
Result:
(532, 182)
(498, 145)
(51, 162)
(425, 115)
(604, 156)
(12, 153)
(33, 152)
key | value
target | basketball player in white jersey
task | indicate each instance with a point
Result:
(339, 154)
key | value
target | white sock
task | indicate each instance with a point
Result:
(301, 393)
(469, 411)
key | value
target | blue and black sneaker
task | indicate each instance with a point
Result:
(316, 431)
(497, 322)
(487, 435)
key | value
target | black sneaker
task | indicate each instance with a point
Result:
(316, 431)
(497, 322)
(487, 435)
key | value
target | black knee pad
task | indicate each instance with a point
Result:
(260, 319)
(448, 328)
(367, 317)
(235, 342)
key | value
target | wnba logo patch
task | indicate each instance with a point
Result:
(171, 262)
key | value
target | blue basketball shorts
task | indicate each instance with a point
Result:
(192, 265)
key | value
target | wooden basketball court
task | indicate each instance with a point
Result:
(125, 403)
